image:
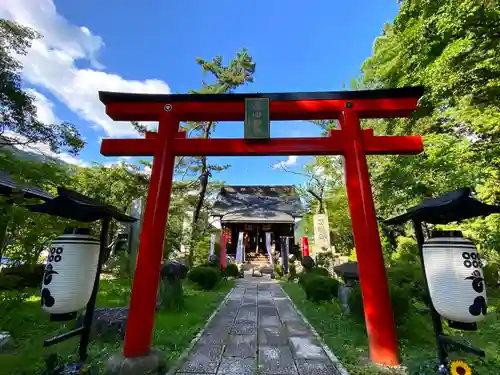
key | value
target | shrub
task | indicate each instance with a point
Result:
(406, 251)
(319, 271)
(9, 282)
(334, 286)
(28, 275)
(410, 275)
(205, 277)
(400, 302)
(232, 270)
(292, 272)
(302, 278)
(215, 267)
(491, 272)
(278, 271)
(318, 288)
(324, 259)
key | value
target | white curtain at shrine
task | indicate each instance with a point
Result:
(212, 244)
(240, 252)
(268, 247)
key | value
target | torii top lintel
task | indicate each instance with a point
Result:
(381, 103)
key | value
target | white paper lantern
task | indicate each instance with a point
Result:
(455, 277)
(70, 272)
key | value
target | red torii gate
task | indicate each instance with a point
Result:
(350, 141)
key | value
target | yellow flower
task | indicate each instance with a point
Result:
(459, 367)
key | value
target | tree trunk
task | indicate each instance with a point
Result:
(319, 197)
(204, 176)
(5, 217)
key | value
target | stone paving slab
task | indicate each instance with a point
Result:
(257, 332)
(243, 346)
(277, 360)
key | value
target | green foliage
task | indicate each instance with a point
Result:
(400, 301)
(345, 335)
(9, 282)
(406, 251)
(319, 271)
(334, 286)
(450, 48)
(292, 272)
(324, 259)
(21, 276)
(20, 124)
(205, 277)
(224, 79)
(491, 274)
(302, 278)
(202, 249)
(21, 315)
(278, 271)
(232, 270)
(315, 271)
(319, 288)
(411, 276)
(318, 285)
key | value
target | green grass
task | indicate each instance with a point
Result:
(345, 335)
(29, 326)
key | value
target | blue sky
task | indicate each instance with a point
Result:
(123, 44)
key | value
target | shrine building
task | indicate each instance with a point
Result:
(255, 210)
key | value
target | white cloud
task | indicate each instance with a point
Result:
(43, 149)
(50, 63)
(45, 114)
(292, 160)
(44, 108)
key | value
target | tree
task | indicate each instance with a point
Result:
(117, 186)
(195, 172)
(323, 175)
(452, 49)
(27, 234)
(19, 124)
(237, 73)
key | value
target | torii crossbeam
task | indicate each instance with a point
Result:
(350, 141)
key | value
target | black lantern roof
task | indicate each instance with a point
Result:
(8, 186)
(455, 206)
(347, 270)
(72, 205)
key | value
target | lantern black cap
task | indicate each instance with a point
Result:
(71, 230)
(446, 233)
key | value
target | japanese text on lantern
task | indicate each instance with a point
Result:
(257, 118)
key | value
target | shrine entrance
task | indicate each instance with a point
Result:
(352, 142)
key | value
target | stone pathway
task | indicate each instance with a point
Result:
(258, 332)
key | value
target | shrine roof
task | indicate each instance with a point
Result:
(8, 186)
(263, 201)
(107, 97)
